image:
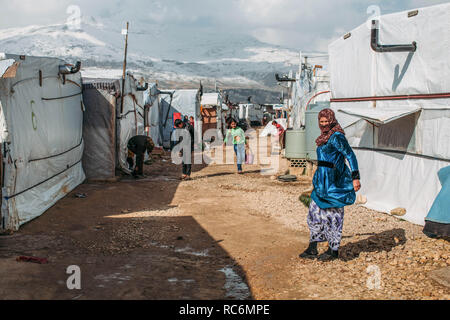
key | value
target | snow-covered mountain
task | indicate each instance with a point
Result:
(158, 52)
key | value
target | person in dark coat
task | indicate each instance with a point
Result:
(187, 159)
(138, 145)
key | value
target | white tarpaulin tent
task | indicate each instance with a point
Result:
(186, 102)
(41, 118)
(380, 115)
(308, 90)
(395, 107)
(151, 99)
(211, 100)
(107, 130)
(271, 130)
(101, 100)
(131, 119)
(214, 100)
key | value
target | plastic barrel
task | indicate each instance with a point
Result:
(296, 144)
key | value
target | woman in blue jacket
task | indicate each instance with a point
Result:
(335, 187)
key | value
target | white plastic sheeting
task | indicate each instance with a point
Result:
(211, 99)
(41, 130)
(310, 91)
(186, 102)
(101, 100)
(391, 181)
(4, 65)
(271, 130)
(379, 115)
(400, 155)
(106, 131)
(132, 119)
(358, 71)
(151, 98)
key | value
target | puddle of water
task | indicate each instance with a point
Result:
(175, 280)
(189, 250)
(234, 285)
(113, 277)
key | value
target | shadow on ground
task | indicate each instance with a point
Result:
(384, 241)
(130, 243)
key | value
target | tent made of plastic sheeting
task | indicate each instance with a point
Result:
(211, 100)
(107, 129)
(395, 107)
(185, 102)
(307, 91)
(271, 130)
(213, 113)
(101, 100)
(151, 98)
(132, 121)
(380, 116)
(41, 119)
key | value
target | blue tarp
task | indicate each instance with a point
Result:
(440, 211)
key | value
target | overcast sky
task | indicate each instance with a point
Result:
(297, 24)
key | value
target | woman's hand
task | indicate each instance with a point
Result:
(357, 185)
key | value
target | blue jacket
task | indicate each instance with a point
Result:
(440, 212)
(333, 187)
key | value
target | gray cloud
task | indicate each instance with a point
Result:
(299, 24)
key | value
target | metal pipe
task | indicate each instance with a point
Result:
(70, 69)
(377, 47)
(400, 97)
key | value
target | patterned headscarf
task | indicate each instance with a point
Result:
(329, 130)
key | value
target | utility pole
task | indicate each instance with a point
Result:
(300, 67)
(125, 32)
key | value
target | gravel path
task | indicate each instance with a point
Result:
(382, 257)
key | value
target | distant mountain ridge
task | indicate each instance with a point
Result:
(159, 52)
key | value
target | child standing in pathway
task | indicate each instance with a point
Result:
(239, 142)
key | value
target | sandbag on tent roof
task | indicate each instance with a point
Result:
(107, 129)
(393, 98)
(186, 102)
(41, 118)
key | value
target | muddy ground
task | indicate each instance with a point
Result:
(219, 236)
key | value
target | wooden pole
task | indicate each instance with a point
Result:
(124, 70)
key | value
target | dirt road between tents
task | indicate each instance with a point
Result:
(219, 236)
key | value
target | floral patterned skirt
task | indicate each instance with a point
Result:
(326, 225)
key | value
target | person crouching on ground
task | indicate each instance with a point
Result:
(187, 156)
(335, 187)
(137, 146)
(239, 142)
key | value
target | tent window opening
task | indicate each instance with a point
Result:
(398, 135)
